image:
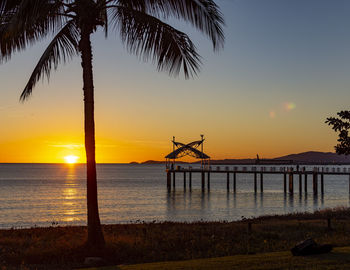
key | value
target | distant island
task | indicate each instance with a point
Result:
(310, 157)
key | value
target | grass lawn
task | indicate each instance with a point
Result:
(61, 248)
(339, 258)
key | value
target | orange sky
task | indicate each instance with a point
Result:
(284, 70)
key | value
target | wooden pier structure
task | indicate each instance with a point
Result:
(288, 171)
(288, 174)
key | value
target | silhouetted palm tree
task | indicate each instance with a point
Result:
(140, 25)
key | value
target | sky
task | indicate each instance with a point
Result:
(284, 69)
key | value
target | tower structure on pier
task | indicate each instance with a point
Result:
(191, 149)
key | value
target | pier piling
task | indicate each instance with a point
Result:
(184, 180)
(234, 182)
(203, 180)
(208, 181)
(228, 182)
(314, 182)
(190, 180)
(171, 177)
(174, 177)
(291, 183)
(305, 183)
(168, 180)
(255, 187)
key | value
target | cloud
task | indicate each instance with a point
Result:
(140, 142)
(79, 146)
(68, 146)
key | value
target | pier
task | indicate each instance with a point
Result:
(289, 172)
(289, 176)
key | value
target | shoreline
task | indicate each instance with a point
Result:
(318, 214)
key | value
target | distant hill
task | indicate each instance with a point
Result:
(317, 157)
(133, 162)
(305, 157)
(152, 162)
(160, 162)
(231, 161)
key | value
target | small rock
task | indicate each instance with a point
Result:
(94, 261)
(310, 247)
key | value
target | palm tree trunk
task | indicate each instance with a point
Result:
(95, 235)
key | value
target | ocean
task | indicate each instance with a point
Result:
(55, 194)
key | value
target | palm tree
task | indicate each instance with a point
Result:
(71, 23)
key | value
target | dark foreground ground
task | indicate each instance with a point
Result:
(63, 247)
(338, 259)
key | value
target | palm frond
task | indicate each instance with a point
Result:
(150, 38)
(63, 47)
(26, 22)
(102, 4)
(7, 5)
(205, 15)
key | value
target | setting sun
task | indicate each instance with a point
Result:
(71, 159)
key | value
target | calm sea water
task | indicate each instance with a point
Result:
(43, 194)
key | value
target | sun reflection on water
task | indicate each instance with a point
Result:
(70, 195)
(69, 215)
